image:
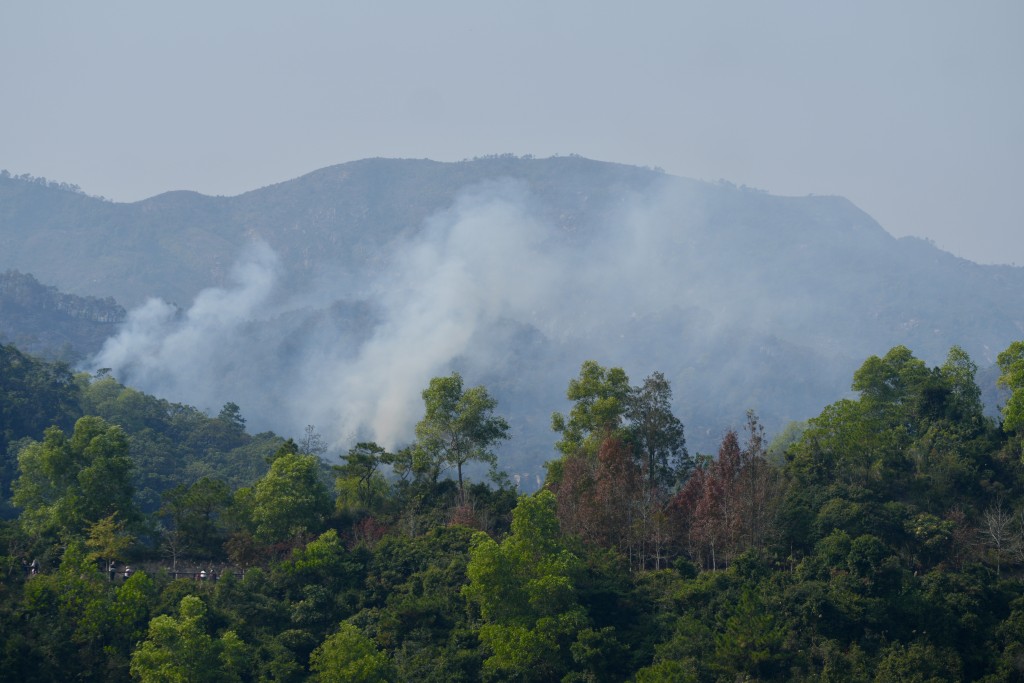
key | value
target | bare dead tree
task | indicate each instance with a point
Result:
(998, 531)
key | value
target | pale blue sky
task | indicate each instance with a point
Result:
(913, 110)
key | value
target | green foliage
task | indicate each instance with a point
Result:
(459, 426)
(601, 396)
(324, 562)
(74, 620)
(899, 460)
(890, 380)
(175, 445)
(525, 590)
(359, 483)
(65, 485)
(1011, 364)
(669, 671)
(34, 395)
(348, 656)
(73, 599)
(1009, 643)
(291, 500)
(109, 540)
(413, 606)
(959, 373)
(181, 649)
(231, 417)
(658, 434)
(893, 552)
(917, 663)
(607, 410)
(197, 515)
(752, 640)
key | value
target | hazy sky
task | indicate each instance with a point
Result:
(913, 110)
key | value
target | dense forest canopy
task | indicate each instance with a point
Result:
(882, 540)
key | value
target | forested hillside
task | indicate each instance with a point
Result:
(883, 540)
(169, 443)
(509, 270)
(42, 320)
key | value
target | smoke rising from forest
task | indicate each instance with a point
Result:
(183, 354)
(446, 299)
(492, 287)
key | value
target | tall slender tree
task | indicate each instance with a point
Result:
(459, 425)
(600, 397)
(657, 432)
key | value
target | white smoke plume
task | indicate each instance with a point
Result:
(182, 355)
(484, 260)
(479, 262)
(741, 299)
(492, 287)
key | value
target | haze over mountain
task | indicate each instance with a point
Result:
(333, 298)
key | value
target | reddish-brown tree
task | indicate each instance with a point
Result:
(607, 501)
(727, 506)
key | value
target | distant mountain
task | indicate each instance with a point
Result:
(514, 271)
(46, 322)
(175, 244)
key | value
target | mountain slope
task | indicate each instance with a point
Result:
(43, 321)
(176, 243)
(360, 281)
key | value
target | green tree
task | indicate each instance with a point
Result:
(459, 425)
(525, 590)
(68, 611)
(291, 500)
(231, 415)
(751, 641)
(1009, 643)
(1011, 364)
(33, 395)
(68, 484)
(891, 379)
(601, 396)
(917, 663)
(361, 467)
(958, 373)
(220, 434)
(108, 540)
(347, 656)
(179, 649)
(196, 512)
(657, 433)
